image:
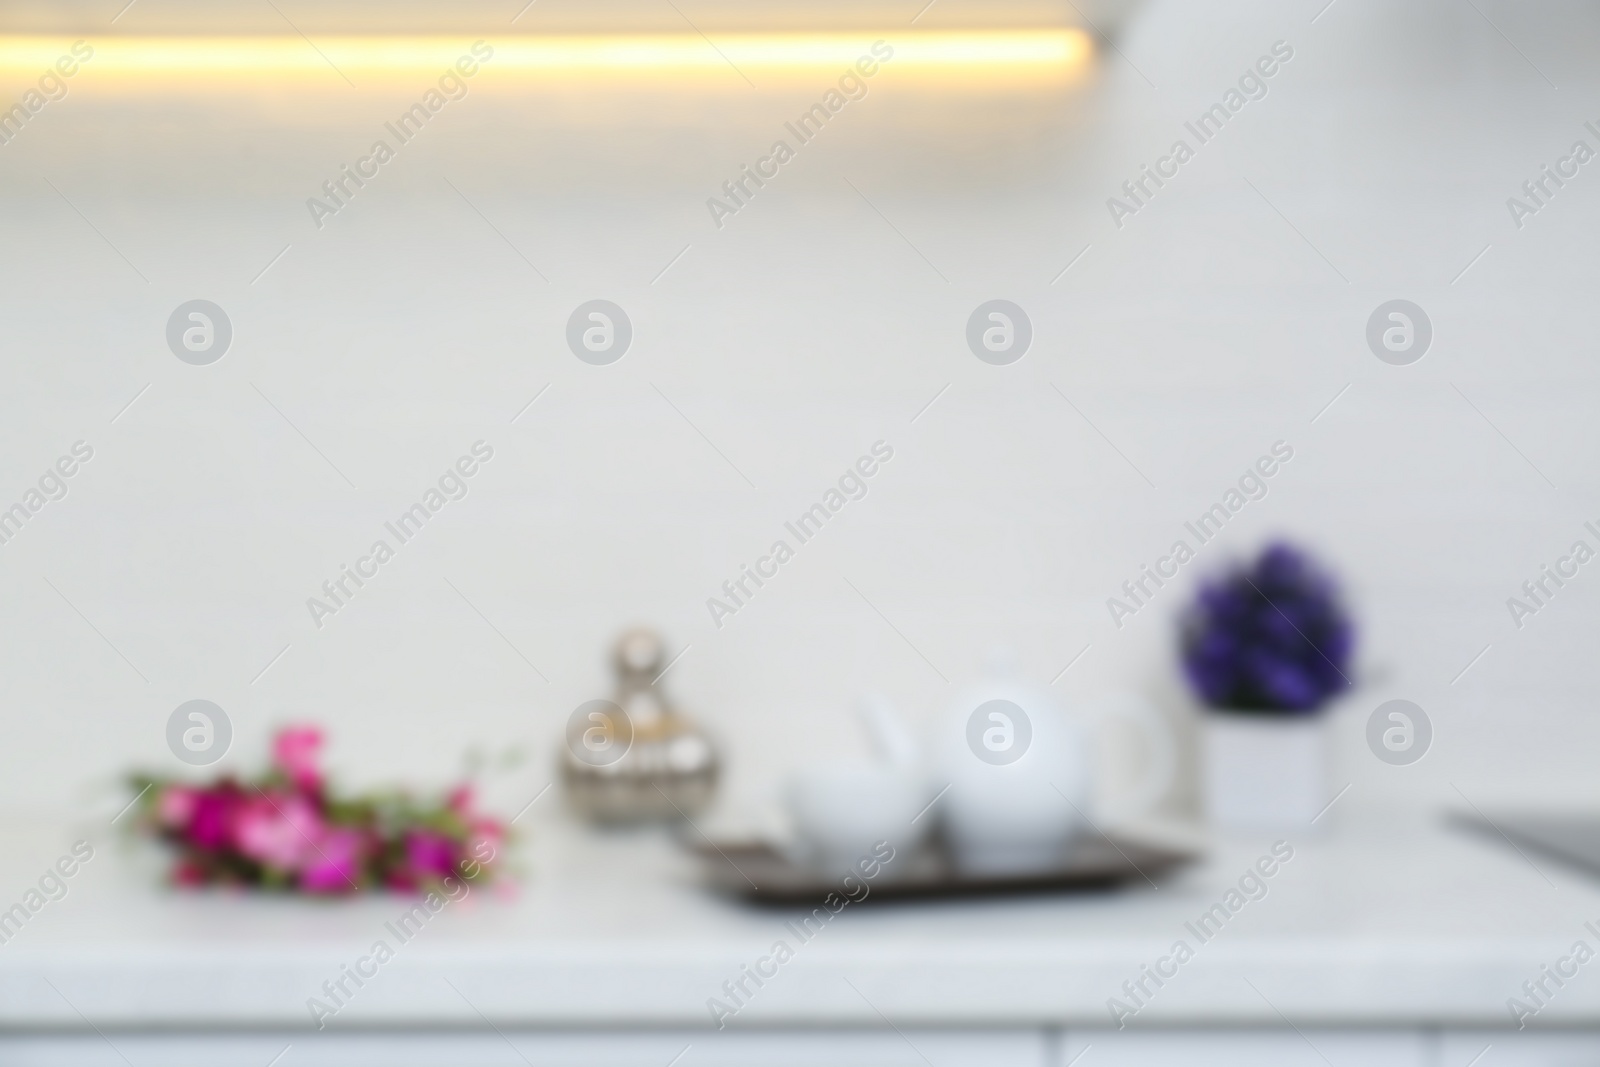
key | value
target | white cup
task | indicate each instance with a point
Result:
(840, 811)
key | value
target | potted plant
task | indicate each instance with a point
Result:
(1265, 648)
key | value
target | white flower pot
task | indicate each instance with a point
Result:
(1266, 772)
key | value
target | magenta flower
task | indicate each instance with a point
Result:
(289, 830)
(294, 750)
(211, 827)
(429, 856)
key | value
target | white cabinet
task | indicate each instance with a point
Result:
(705, 1048)
(1019, 1047)
(1247, 1048)
(1512, 1048)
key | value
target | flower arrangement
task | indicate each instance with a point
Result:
(1272, 638)
(287, 830)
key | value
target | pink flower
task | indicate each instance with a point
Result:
(335, 865)
(278, 831)
(286, 830)
(294, 750)
(486, 840)
(176, 806)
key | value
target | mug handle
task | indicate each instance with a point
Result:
(1161, 763)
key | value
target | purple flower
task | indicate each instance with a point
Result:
(1272, 637)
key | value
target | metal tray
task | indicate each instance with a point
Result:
(763, 873)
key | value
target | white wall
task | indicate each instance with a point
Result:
(1193, 337)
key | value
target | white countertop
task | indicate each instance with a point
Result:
(1376, 922)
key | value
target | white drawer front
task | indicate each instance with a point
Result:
(1246, 1048)
(1511, 1048)
(808, 1048)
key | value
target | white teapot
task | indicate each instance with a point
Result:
(1021, 773)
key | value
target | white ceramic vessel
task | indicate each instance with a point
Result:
(841, 809)
(1265, 772)
(1021, 772)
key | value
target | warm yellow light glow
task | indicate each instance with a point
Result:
(1005, 55)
